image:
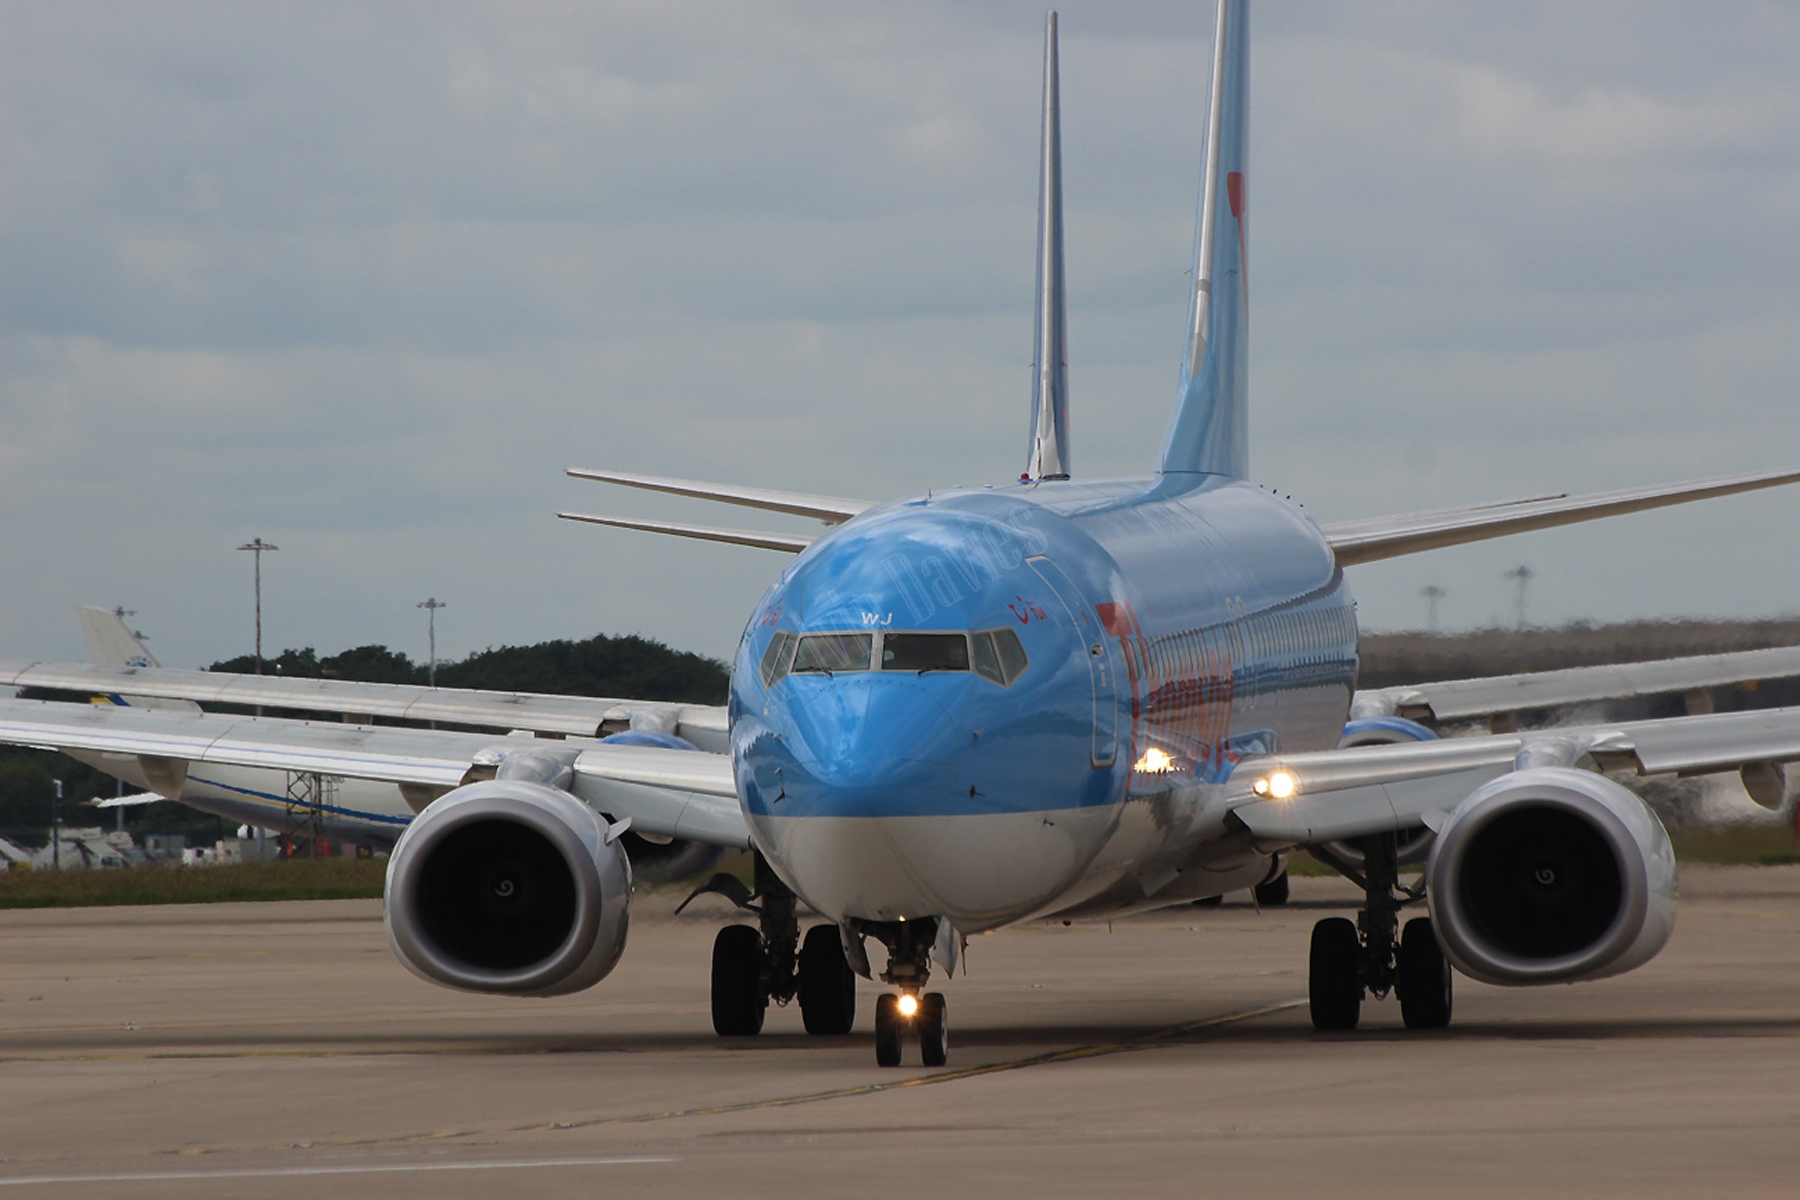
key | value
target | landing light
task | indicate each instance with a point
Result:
(1278, 784)
(1155, 762)
(908, 1005)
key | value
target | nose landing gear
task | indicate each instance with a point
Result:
(912, 1012)
(905, 1015)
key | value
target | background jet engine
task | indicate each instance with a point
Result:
(509, 886)
(1551, 875)
(1415, 843)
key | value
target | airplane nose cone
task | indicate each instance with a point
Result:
(879, 802)
(874, 746)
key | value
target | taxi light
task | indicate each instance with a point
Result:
(1277, 784)
(1155, 762)
(909, 1005)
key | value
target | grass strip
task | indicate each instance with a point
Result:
(299, 879)
(361, 878)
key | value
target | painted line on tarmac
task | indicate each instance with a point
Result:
(1143, 1041)
(290, 1172)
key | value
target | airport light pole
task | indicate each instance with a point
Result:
(431, 606)
(256, 548)
(56, 825)
(1434, 595)
(1524, 575)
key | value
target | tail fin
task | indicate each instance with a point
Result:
(109, 642)
(1210, 433)
(1049, 457)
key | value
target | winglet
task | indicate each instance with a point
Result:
(1049, 453)
(1210, 433)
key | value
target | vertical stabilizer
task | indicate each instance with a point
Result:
(109, 642)
(1049, 456)
(1211, 430)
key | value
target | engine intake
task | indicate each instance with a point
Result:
(1551, 875)
(508, 886)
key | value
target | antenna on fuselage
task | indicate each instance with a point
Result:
(1049, 454)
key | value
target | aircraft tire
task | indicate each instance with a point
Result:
(1274, 893)
(827, 984)
(888, 1027)
(1424, 977)
(738, 1000)
(934, 1030)
(1333, 988)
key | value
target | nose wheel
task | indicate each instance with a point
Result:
(900, 1018)
(911, 1013)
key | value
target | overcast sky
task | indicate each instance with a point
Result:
(363, 279)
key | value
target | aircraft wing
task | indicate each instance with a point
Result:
(1338, 794)
(667, 793)
(1375, 538)
(1461, 699)
(704, 725)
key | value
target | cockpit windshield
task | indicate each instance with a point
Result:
(924, 652)
(994, 654)
(834, 652)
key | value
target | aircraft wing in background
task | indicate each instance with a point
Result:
(666, 793)
(703, 725)
(1464, 699)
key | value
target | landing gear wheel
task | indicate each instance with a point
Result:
(934, 1031)
(1332, 985)
(738, 999)
(889, 1026)
(1424, 979)
(827, 984)
(1274, 893)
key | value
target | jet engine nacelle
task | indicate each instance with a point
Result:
(1415, 843)
(1551, 875)
(509, 886)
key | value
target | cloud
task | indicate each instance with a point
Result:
(364, 280)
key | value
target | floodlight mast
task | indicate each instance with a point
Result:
(431, 606)
(256, 548)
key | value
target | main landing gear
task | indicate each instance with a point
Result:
(1350, 960)
(752, 965)
(912, 1012)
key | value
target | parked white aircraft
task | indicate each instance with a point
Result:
(959, 710)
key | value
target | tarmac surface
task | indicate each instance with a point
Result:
(279, 1050)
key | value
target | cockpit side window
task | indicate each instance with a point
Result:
(1013, 660)
(984, 659)
(829, 653)
(924, 652)
(776, 658)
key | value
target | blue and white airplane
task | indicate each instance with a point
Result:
(1049, 697)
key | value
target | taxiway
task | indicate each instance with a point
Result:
(279, 1050)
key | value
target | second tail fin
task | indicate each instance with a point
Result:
(111, 643)
(1210, 433)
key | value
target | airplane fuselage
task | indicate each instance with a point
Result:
(1168, 627)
